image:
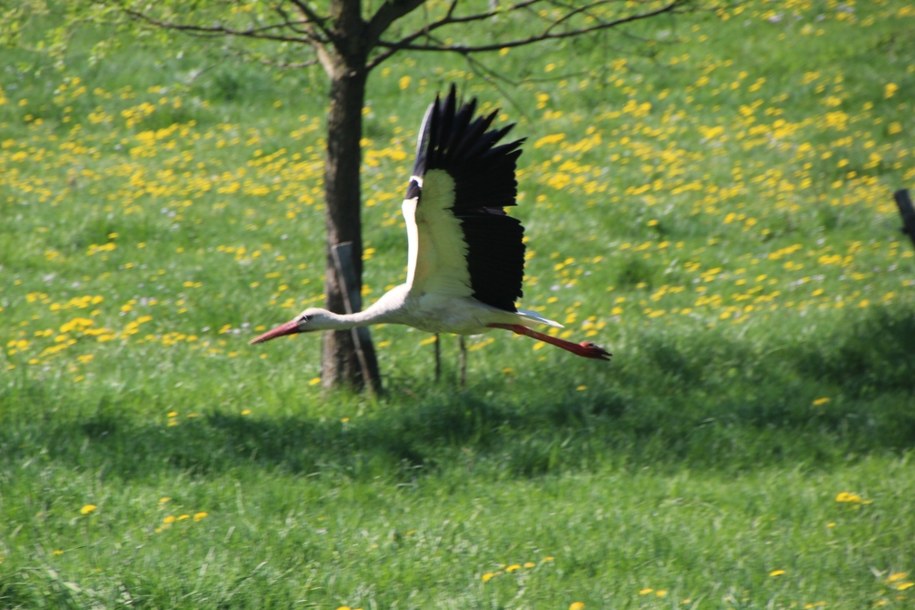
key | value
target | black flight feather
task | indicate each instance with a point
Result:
(456, 141)
(904, 203)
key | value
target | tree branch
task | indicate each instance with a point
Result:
(447, 20)
(388, 13)
(271, 62)
(303, 27)
(408, 42)
(264, 32)
(313, 19)
(573, 12)
(451, 19)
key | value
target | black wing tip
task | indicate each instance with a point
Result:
(458, 135)
(907, 211)
(904, 203)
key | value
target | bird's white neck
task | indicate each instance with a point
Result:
(329, 320)
(386, 309)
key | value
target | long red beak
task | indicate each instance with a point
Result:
(289, 328)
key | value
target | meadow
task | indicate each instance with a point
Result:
(709, 196)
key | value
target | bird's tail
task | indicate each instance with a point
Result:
(528, 316)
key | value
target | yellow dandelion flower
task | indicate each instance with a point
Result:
(487, 576)
(848, 497)
(819, 402)
(542, 99)
(201, 515)
(577, 606)
(88, 509)
(549, 140)
(897, 580)
(775, 573)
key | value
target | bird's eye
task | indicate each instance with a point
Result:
(303, 319)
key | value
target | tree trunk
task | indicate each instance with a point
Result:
(340, 363)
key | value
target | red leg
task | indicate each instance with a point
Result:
(585, 349)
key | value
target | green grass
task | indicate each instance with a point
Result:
(714, 207)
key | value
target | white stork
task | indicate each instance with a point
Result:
(466, 257)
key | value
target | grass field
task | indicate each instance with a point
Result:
(710, 197)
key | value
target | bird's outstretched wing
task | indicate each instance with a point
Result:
(461, 241)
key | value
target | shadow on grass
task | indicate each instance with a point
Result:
(702, 401)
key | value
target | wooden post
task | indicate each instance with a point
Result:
(352, 302)
(438, 356)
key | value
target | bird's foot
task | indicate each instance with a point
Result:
(591, 350)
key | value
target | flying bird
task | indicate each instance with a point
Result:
(465, 254)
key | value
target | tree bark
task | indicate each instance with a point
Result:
(340, 364)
